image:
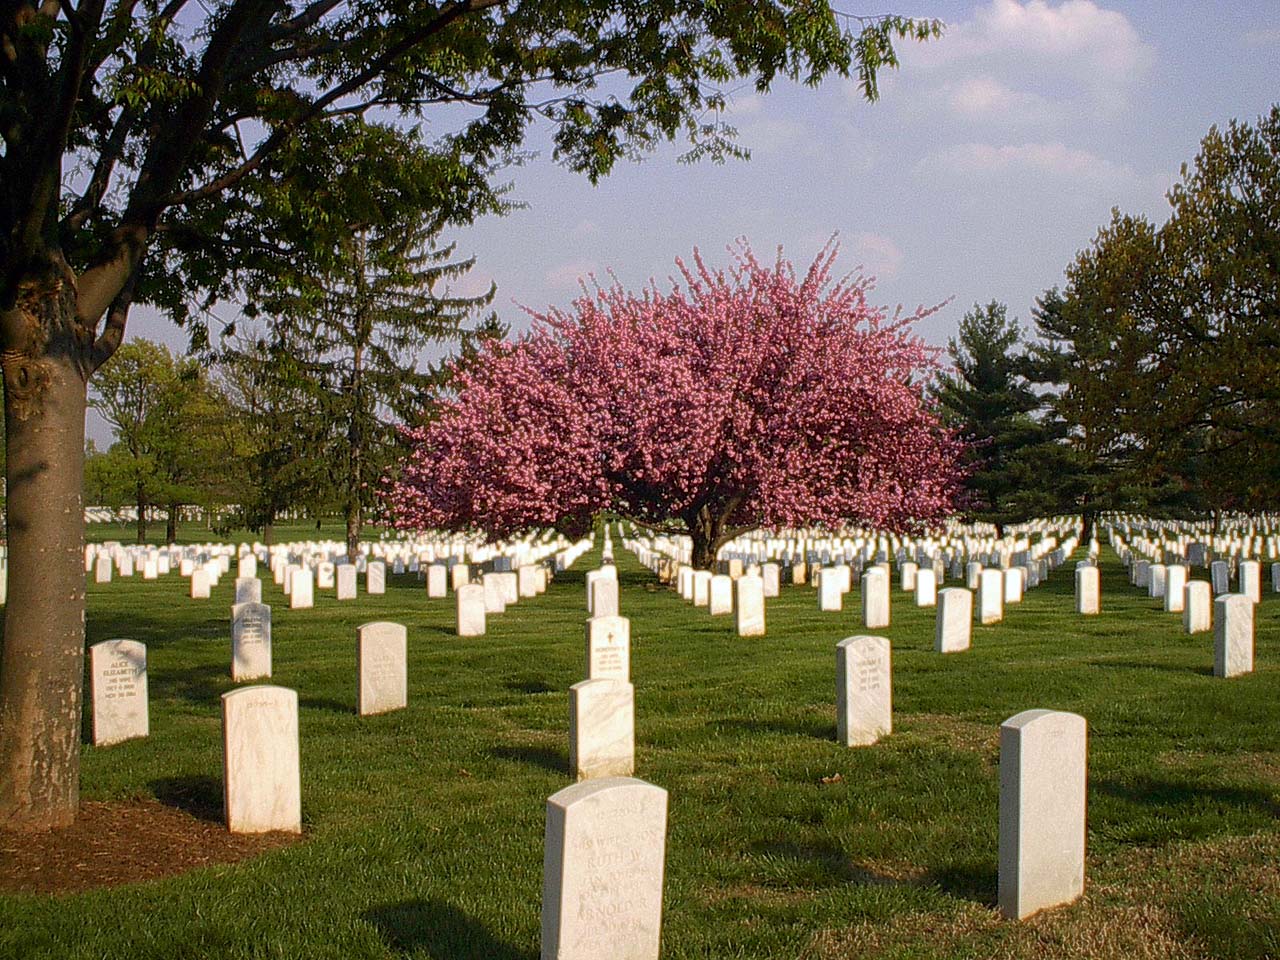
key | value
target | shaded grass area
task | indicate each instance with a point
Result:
(424, 826)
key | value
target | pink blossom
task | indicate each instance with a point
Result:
(736, 400)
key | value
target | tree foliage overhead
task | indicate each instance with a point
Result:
(1176, 330)
(736, 400)
(122, 121)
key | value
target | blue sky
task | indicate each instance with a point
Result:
(993, 156)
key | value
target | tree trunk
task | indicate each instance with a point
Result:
(707, 531)
(141, 500)
(42, 662)
(353, 527)
(269, 533)
(171, 527)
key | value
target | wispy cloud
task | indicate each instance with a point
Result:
(570, 276)
(1263, 37)
(1030, 60)
(985, 161)
(879, 255)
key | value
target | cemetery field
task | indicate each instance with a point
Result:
(423, 828)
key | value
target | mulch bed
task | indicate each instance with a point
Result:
(122, 842)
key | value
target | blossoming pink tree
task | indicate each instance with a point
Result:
(736, 400)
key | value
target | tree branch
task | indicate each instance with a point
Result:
(113, 333)
(375, 68)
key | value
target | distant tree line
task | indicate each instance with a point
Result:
(1151, 380)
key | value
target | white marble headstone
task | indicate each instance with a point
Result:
(382, 651)
(601, 729)
(720, 595)
(250, 641)
(954, 626)
(749, 606)
(875, 598)
(471, 609)
(261, 769)
(1232, 635)
(608, 648)
(1042, 811)
(118, 679)
(864, 690)
(437, 581)
(602, 871)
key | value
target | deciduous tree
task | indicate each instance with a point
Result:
(145, 154)
(737, 399)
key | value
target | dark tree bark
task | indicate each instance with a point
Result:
(710, 530)
(142, 514)
(171, 527)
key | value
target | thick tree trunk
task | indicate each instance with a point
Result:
(707, 531)
(42, 662)
(268, 533)
(171, 527)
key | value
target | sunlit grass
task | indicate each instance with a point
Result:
(424, 827)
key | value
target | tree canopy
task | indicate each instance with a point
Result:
(737, 399)
(1176, 331)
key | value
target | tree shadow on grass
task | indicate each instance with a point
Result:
(325, 703)
(200, 796)
(529, 685)
(544, 757)
(1204, 671)
(1174, 794)
(441, 930)
(976, 880)
(200, 683)
(826, 863)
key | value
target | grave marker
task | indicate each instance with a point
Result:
(1088, 591)
(1042, 811)
(118, 680)
(1232, 635)
(601, 729)
(954, 625)
(382, 651)
(602, 871)
(749, 606)
(261, 772)
(864, 690)
(471, 609)
(250, 641)
(608, 648)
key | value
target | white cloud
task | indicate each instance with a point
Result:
(570, 276)
(984, 160)
(1263, 37)
(1032, 58)
(879, 255)
(985, 97)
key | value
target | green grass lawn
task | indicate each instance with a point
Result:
(424, 828)
(191, 532)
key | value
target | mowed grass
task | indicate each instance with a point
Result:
(424, 828)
